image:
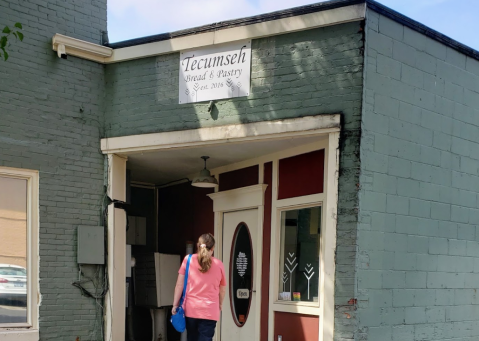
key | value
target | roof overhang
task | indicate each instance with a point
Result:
(253, 31)
(247, 132)
(65, 46)
(260, 29)
(296, 19)
(160, 158)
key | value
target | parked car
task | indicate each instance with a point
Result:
(13, 284)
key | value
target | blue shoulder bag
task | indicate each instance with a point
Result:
(178, 320)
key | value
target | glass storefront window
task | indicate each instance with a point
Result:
(299, 255)
(13, 250)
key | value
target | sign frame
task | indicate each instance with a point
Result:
(213, 73)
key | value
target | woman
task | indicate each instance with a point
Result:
(205, 291)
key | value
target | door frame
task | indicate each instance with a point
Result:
(245, 198)
(118, 148)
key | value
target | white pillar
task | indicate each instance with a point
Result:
(115, 310)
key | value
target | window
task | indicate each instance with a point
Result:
(299, 255)
(18, 244)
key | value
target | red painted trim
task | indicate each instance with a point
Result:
(301, 175)
(203, 215)
(252, 275)
(296, 327)
(268, 197)
(239, 178)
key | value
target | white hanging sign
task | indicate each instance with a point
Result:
(218, 72)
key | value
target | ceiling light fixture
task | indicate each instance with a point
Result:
(205, 179)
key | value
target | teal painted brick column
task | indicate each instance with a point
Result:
(418, 237)
(51, 119)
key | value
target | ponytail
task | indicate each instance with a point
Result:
(205, 243)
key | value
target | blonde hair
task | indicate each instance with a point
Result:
(205, 243)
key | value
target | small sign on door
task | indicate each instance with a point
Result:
(242, 293)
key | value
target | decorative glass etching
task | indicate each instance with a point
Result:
(299, 255)
(241, 274)
(241, 263)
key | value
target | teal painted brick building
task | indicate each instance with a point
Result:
(51, 116)
(403, 105)
(417, 231)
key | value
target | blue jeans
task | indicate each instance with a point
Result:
(200, 329)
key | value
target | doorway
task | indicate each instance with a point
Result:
(240, 237)
(164, 157)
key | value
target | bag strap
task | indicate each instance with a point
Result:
(186, 280)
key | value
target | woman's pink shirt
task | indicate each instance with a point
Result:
(203, 289)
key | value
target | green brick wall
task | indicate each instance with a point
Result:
(418, 236)
(411, 256)
(51, 121)
(298, 74)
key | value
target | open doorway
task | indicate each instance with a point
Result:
(163, 223)
(169, 214)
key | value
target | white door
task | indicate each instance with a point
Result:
(238, 318)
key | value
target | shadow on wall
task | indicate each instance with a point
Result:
(293, 75)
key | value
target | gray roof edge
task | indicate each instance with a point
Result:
(290, 12)
(421, 28)
(317, 7)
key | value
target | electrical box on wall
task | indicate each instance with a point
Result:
(155, 279)
(136, 232)
(91, 245)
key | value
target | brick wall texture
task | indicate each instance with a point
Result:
(411, 254)
(418, 234)
(51, 118)
(307, 73)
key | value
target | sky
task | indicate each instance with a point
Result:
(128, 19)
